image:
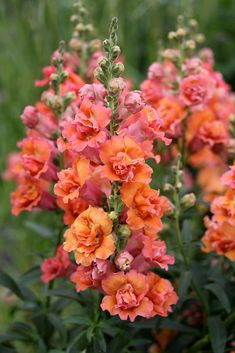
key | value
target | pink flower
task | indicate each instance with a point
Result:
(155, 72)
(57, 266)
(154, 251)
(228, 178)
(196, 90)
(95, 92)
(30, 116)
(134, 102)
(88, 127)
(123, 260)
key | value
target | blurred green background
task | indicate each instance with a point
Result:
(30, 31)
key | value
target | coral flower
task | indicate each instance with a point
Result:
(196, 89)
(87, 129)
(124, 160)
(56, 266)
(36, 155)
(72, 179)
(145, 205)
(219, 238)
(82, 278)
(171, 113)
(72, 209)
(126, 295)
(28, 194)
(213, 132)
(90, 236)
(154, 251)
(223, 208)
(228, 178)
(162, 294)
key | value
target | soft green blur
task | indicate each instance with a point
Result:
(30, 31)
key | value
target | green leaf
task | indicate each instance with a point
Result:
(217, 333)
(187, 231)
(101, 341)
(41, 230)
(184, 283)
(9, 283)
(81, 339)
(10, 337)
(63, 292)
(77, 319)
(57, 323)
(219, 292)
(31, 276)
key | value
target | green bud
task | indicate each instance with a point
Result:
(124, 231)
(168, 187)
(188, 200)
(115, 52)
(113, 215)
(118, 69)
(106, 45)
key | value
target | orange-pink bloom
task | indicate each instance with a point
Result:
(123, 160)
(72, 179)
(88, 127)
(90, 236)
(146, 206)
(126, 295)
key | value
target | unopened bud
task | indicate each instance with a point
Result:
(178, 186)
(113, 215)
(168, 187)
(103, 61)
(95, 45)
(124, 231)
(190, 44)
(89, 28)
(75, 44)
(200, 38)
(116, 85)
(172, 35)
(134, 101)
(115, 52)
(99, 75)
(74, 18)
(118, 69)
(192, 23)
(106, 44)
(181, 32)
(54, 77)
(30, 117)
(80, 27)
(188, 200)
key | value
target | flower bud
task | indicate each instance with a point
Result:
(155, 72)
(192, 23)
(188, 200)
(124, 260)
(181, 32)
(134, 101)
(80, 27)
(74, 18)
(30, 116)
(99, 75)
(95, 45)
(54, 77)
(172, 35)
(89, 28)
(190, 44)
(124, 231)
(200, 38)
(75, 44)
(106, 44)
(103, 62)
(116, 85)
(168, 188)
(115, 52)
(118, 69)
(113, 215)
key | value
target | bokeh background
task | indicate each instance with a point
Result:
(30, 31)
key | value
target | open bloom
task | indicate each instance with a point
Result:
(161, 293)
(72, 179)
(145, 205)
(123, 160)
(126, 295)
(196, 89)
(88, 127)
(219, 238)
(72, 209)
(31, 193)
(223, 207)
(228, 178)
(90, 236)
(57, 266)
(36, 157)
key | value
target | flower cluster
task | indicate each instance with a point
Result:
(85, 153)
(220, 234)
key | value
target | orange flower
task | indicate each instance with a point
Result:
(88, 127)
(161, 293)
(90, 236)
(124, 160)
(171, 113)
(72, 209)
(209, 179)
(72, 179)
(196, 120)
(27, 195)
(223, 208)
(146, 207)
(35, 155)
(219, 238)
(126, 295)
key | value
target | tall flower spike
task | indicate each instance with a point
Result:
(109, 72)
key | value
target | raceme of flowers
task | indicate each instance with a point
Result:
(85, 152)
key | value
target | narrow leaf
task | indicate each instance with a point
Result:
(9, 283)
(217, 333)
(219, 292)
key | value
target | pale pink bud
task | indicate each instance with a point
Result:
(155, 72)
(134, 101)
(30, 116)
(124, 260)
(95, 92)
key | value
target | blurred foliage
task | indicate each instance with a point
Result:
(30, 31)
